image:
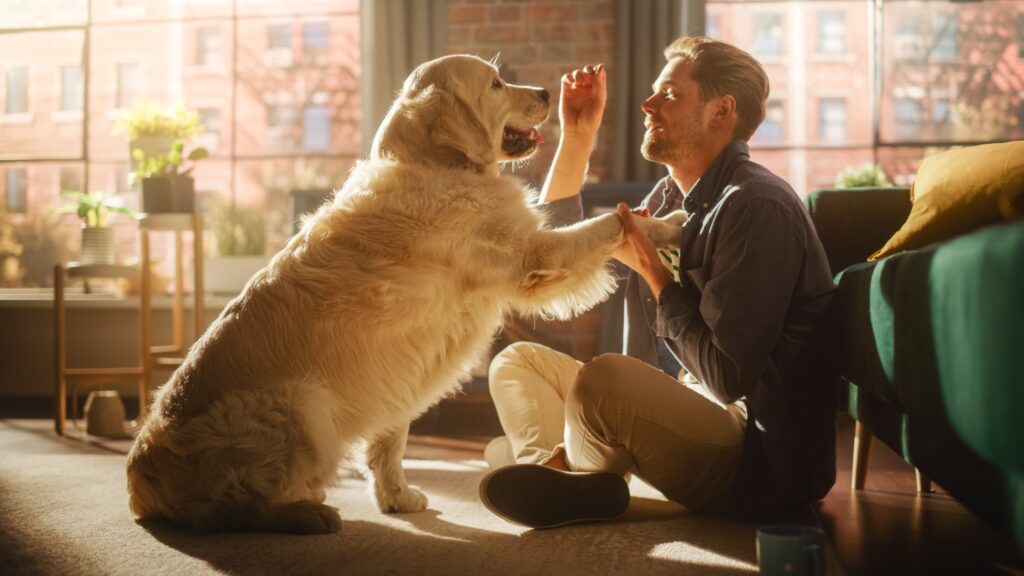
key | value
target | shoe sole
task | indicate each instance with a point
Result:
(540, 497)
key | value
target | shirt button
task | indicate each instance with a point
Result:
(649, 300)
(705, 205)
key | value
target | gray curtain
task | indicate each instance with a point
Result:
(398, 35)
(643, 28)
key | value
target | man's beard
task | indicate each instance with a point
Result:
(668, 148)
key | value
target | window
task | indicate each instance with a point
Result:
(210, 139)
(17, 90)
(71, 88)
(944, 35)
(280, 126)
(279, 46)
(315, 36)
(767, 34)
(1020, 35)
(831, 33)
(773, 127)
(208, 46)
(832, 120)
(16, 197)
(70, 178)
(712, 25)
(908, 111)
(942, 111)
(316, 128)
(909, 41)
(128, 82)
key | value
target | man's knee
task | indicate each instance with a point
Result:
(599, 381)
(515, 356)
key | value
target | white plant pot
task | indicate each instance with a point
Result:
(227, 275)
(97, 246)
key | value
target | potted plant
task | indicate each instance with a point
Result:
(166, 185)
(241, 235)
(93, 208)
(153, 128)
(867, 174)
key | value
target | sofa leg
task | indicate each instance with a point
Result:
(924, 485)
(861, 452)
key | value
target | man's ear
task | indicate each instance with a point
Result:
(723, 110)
(456, 126)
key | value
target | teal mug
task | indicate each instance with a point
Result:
(784, 550)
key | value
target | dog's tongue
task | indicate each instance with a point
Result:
(535, 134)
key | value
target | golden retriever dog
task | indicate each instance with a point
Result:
(378, 308)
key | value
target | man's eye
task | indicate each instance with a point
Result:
(497, 83)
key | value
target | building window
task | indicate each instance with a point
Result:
(767, 34)
(71, 88)
(128, 82)
(773, 127)
(712, 26)
(944, 35)
(316, 128)
(831, 33)
(70, 178)
(210, 138)
(942, 111)
(279, 46)
(208, 46)
(1020, 35)
(315, 36)
(17, 90)
(909, 42)
(280, 123)
(832, 120)
(908, 111)
(16, 198)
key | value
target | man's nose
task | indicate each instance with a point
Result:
(649, 105)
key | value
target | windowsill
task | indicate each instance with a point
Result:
(20, 118)
(823, 58)
(42, 298)
(207, 70)
(67, 116)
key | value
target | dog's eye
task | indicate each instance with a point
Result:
(497, 83)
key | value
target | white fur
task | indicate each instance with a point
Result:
(374, 311)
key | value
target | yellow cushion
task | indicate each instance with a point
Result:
(960, 190)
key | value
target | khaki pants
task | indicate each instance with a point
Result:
(618, 414)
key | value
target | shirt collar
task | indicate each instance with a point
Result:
(709, 185)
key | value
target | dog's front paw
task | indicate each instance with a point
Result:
(663, 234)
(407, 499)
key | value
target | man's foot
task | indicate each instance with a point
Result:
(541, 497)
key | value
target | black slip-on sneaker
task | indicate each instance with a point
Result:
(541, 497)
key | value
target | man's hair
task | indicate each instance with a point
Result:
(720, 69)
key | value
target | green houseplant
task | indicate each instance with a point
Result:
(241, 234)
(867, 174)
(93, 208)
(157, 135)
(167, 184)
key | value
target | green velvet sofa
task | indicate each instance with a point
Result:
(932, 347)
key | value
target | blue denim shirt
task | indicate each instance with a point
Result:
(748, 320)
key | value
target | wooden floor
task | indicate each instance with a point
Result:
(887, 528)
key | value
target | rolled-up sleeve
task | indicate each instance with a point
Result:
(564, 212)
(724, 334)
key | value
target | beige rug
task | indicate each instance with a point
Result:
(63, 510)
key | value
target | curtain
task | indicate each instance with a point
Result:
(643, 29)
(397, 36)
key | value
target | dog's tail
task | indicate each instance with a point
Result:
(147, 489)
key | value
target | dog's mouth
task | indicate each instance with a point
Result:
(518, 143)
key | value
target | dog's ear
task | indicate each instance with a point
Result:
(455, 125)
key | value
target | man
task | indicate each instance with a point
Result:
(749, 429)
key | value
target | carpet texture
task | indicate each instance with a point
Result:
(64, 510)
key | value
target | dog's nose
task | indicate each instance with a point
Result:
(544, 95)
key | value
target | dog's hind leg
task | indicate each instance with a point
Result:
(384, 459)
(301, 517)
